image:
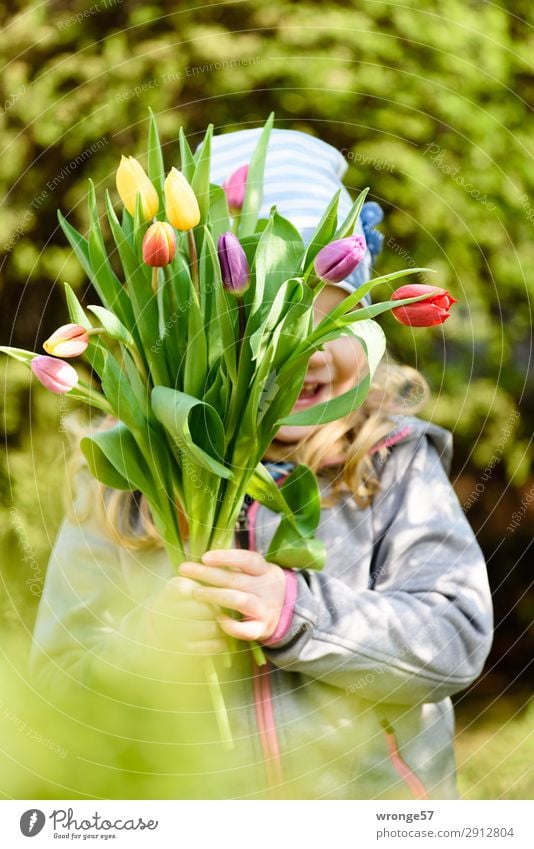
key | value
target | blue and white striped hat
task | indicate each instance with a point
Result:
(302, 174)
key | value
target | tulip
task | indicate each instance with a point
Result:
(56, 375)
(426, 313)
(70, 340)
(337, 260)
(132, 180)
(181, 203)
(159, 244)
(234, 265)
(235, 187)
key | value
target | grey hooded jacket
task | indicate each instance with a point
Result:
(355, 700)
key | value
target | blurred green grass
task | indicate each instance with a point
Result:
(495, 752)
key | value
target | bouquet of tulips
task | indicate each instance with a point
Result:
(200, 346)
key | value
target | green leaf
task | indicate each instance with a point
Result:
(114, 328)
(196, 362)
(156, 167)
(201, 178)
(324, 232)
(104, 279)
(138, 386)
(355, 297)
(348, 225)
(194, 427)
(187, 159)
(96, 451)
(293, 544)
(279, 252)
(291, 551)
(116, 460)
(373, 340)
(95, 352)
(219, 218)
(18, 354)
(142, 299)
(301, 491)
(254, 188)
(118, 391)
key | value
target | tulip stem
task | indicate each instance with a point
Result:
(242, 323)
(92, 397)
(155, 276)
(193, 259)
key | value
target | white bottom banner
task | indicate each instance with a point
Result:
(260, 825)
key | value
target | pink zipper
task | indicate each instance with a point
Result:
(415, 784)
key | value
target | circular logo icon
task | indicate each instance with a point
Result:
(31, 822)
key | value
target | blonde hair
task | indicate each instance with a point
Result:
(395, 390)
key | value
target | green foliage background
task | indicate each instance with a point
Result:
(429, 103)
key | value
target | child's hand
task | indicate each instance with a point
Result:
(244, 581)
(178, 621)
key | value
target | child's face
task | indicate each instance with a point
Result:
(338, 368)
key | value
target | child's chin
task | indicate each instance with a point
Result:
(293, 433)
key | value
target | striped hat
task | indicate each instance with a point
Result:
(302, 174)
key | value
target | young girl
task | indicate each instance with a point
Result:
(363, 657)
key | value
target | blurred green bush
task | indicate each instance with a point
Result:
(427, 101)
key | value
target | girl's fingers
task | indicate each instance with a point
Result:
(180, 587)
(245, 630)
(230, 579)
(249, 562)
(245, 603)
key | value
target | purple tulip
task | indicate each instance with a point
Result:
(56, 375)
(234, 265)
(337, 260)
(235, 187)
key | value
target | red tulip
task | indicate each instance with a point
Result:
(70, 340)
(56, 375)
(235, 187)
(425, 313)
(159, 244)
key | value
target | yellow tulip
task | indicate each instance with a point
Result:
(133, 180)
(180, 202)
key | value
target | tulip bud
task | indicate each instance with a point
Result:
(132, 180)
(235, 187)
(234, 265)
(159, 244)
(180, 201)
(337, 260)
(426, 313)
(56, 375)
(70, 340)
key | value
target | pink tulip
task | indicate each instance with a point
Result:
(338, 259)
(426, 313)
(159, 244)
(70, 340)
(235, 187)
(56, 375)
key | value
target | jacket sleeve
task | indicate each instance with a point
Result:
(424, 629)
(92, 617)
